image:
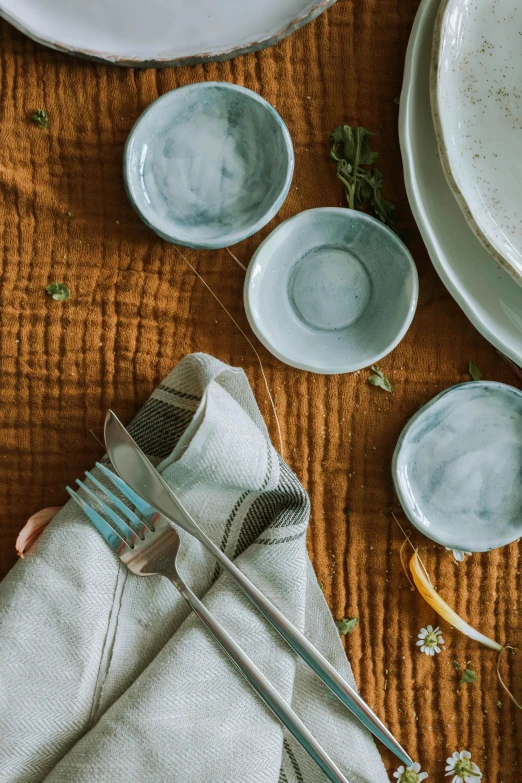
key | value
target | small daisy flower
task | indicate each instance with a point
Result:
(463, 769)
(430, 640)
(411, 774)
(459, 554)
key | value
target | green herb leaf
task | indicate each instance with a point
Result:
(379, 379)
(346, 626)
(382, 209)
(58, 291)
(475, 372)
(320, 585)
(41, 118)
(456, 664)
(469, 676)
(362, 182)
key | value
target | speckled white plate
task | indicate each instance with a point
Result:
(483, 289)
(159, 32)
(457, 467)
(476, 93)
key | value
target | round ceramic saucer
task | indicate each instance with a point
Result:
(457, 467)
(331, 290)
(208, 164)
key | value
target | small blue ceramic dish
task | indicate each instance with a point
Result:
(457, 467)
(208, 165)
(331, 291)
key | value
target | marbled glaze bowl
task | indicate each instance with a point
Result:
(208, 165)
(457, 467)
(331, 290)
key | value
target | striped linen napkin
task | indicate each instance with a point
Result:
(107, 677)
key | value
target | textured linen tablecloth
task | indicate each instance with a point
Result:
(137, 309)
(103, 676)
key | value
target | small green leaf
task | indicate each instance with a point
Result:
(469, 676)
(475, 372)
(41, 118)
(346, 626)
(58, 291)
(456, 664)
(379, 379)
(355, 168)
(320, 585)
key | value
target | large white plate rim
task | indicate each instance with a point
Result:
(490, 243)
(224, 53)
(491, 330)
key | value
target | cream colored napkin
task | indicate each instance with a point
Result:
(106, 677)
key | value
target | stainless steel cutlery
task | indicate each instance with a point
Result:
(149, 546)
(139, 474)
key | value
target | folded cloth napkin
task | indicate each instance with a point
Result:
(107, 677)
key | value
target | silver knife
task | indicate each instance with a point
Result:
(139, 473)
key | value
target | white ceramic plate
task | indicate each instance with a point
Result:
(476, 98)
(484, 290)
(159, 32)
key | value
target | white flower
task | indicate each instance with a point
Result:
(459, 554)
(430, 640)
(410, 774)
(463, 769)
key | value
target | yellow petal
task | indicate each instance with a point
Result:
(430, 595)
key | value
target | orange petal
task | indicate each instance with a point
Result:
(430, 595)
(33, 527)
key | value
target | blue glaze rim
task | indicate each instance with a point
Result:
(234, 237)
(348, 367)
(406, 507)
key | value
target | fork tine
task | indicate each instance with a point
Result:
(134, 522)
(124, 531)
(143, 507)
(110, 535)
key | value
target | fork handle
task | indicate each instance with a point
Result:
(298, 642)
(262, 686)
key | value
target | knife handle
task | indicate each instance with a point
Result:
(300, 644)
(262, 686)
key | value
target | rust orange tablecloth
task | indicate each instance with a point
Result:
(136, 309)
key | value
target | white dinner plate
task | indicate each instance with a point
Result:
(476, 100)
(485, 291)
(159, 32)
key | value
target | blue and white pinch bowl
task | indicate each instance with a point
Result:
(457, 467)
(331, 290)
(208, 165)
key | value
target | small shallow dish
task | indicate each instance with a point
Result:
(331, 290)
(208, 165)
(457, 467)
(477, 108)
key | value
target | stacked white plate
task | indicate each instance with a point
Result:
(458, 221)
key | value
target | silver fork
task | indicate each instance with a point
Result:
(148, 547)
(138, 476)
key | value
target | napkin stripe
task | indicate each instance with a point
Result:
(247, 526)
(293, 761)
(281, 540)
(158, 427)
(177, 393)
